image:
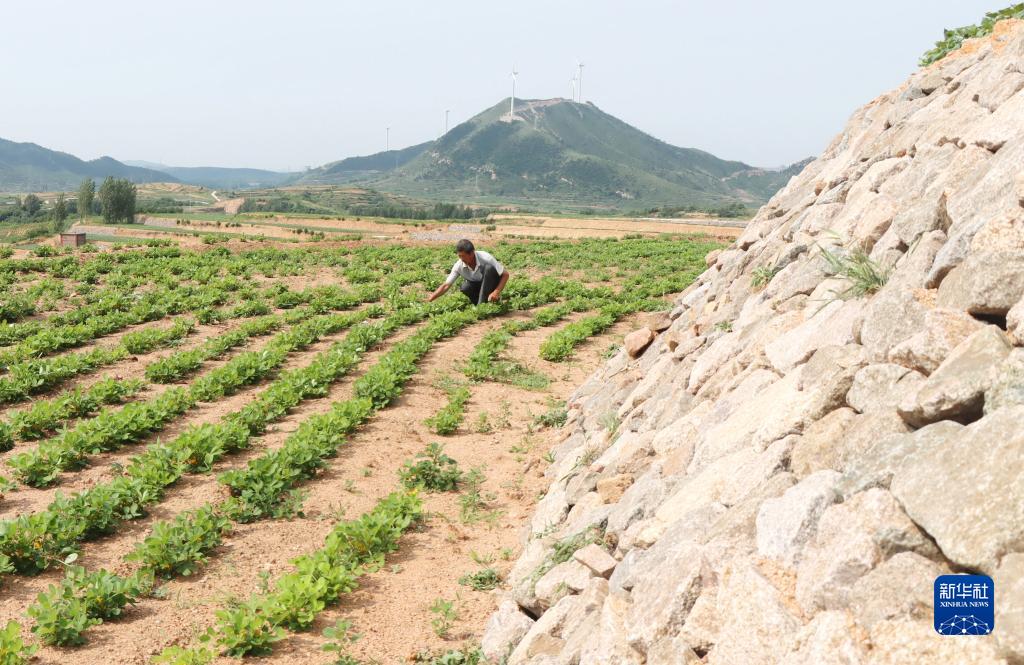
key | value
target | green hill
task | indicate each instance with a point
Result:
(359, 168)
(557, 153)
(219, 177)
(27, 167)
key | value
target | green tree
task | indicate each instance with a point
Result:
(86, 193)
(60, 209)
(117, 199)
(31, 204)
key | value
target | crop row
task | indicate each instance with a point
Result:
(352, 548)
(111, 429)
(265, 487)
(152, 306)
(45, 416)
(35, 376)
(448, 418)
(31, 543)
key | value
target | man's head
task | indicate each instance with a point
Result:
(464, 248)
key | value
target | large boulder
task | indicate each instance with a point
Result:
(985, 283)
(956, 390)
(637, 341)
(852, 538)
(967, 493)
(786, 523)
(943, 330)
(1009, 584)
(757, 625)
(505, 629)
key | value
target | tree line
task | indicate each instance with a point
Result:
(115, 200)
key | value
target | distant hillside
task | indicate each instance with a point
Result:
(218, 177)
(356, 168)
(557, 152)
(27, 167)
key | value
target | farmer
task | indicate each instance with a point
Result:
(483, 278)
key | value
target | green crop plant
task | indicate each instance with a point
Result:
(179, 547)
(82, 599)
(13, 649)
(434, 471)
(447, 420)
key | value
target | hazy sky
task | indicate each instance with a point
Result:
(283, 85)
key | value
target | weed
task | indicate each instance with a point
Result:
(473, 501)
(342, 638)
(445, 616)
(464, 656)
(484, 579)
(610, 421)
(865, 275)
(555, 416)
(760, 277)
(483, 424)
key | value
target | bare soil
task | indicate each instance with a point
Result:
(391, 606)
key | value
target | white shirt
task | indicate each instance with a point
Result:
(474, 274)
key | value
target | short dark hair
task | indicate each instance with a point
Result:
(464, 246)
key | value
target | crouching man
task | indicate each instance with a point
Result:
(483, 277)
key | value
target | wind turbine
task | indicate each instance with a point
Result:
(512, 102)
(572, 88)
(387, 139)
(579, 80)
(446, 112)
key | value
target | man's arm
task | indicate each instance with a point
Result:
(438, 292)
(502, 281)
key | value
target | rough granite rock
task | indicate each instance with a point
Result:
(970, 499)
(1009, 634)
(505, 629)
(637, 341)
(594, 557)
(565, 578)
(875, 468)
(880, 386)
(1007, 387)
(985, 283)
(786, 523)
(785, 491)
(812, 452)
(852, 538)
(901, 587)
(1015, 323)
(831, 638)
(943, 330)
(757, 626)
(956, 390)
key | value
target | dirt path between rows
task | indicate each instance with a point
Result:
(391, 606)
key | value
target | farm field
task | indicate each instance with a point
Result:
(224, 453)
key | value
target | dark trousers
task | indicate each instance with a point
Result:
(477, 292)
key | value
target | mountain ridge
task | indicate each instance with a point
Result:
(219, 177)
(557, 150)
(31, 167)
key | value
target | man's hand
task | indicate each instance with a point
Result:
(438, 292)
(494, 297)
